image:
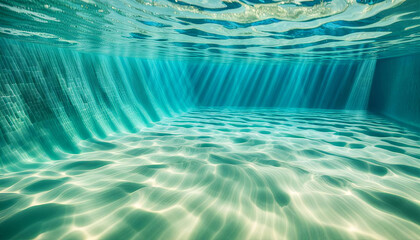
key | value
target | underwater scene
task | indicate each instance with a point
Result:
(210, 119)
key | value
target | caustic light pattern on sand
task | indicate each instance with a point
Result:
(237, 174)
(216, 119)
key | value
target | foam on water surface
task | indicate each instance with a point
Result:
(219, 173)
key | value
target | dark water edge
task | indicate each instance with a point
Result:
(395, 89)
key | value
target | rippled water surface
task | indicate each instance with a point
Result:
(227, 174)
(220, 29)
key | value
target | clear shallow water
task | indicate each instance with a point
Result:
(73, 164)
(227, 174)
(220, 30)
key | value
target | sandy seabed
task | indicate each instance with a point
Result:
(227, 174)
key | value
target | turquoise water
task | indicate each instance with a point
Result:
(186, 119)
(237, 174)
(219, 30)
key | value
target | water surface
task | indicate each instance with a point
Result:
(220, 30)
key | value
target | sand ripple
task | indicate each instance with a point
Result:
(227, 174)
